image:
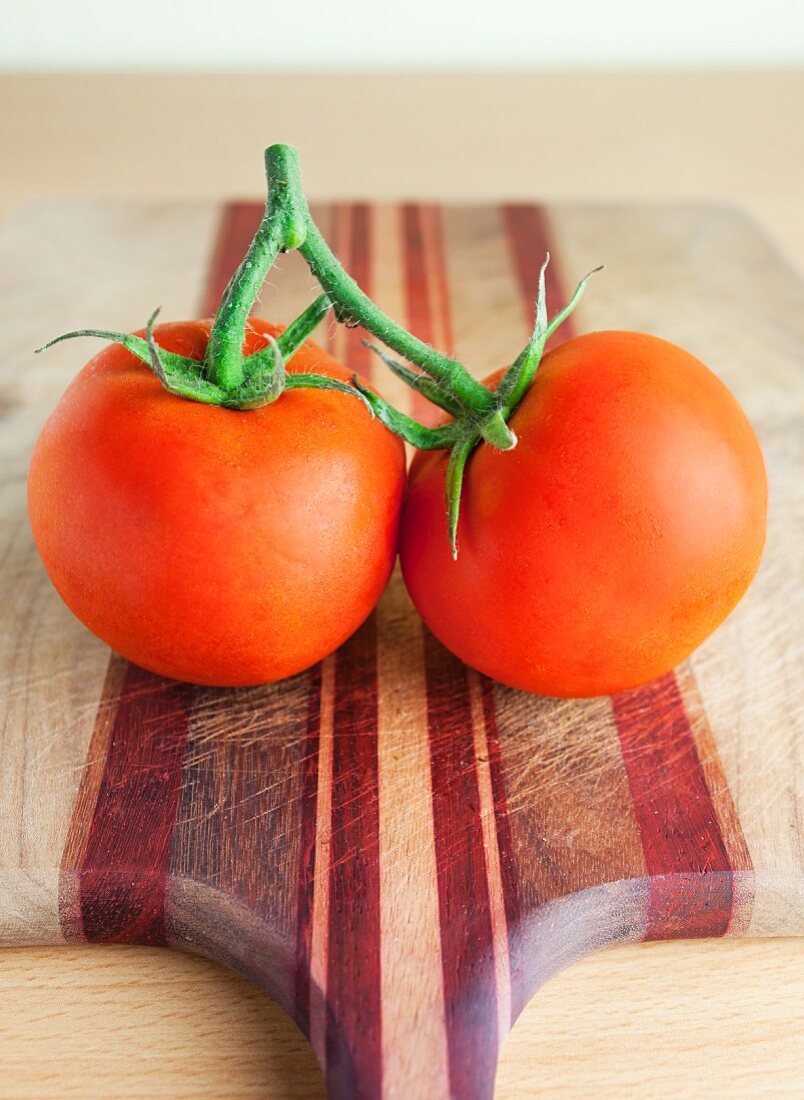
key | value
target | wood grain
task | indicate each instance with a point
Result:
(265, 818)
(133, 1022)
(650, 136)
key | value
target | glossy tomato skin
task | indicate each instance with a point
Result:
(617, 535)
(210, 545)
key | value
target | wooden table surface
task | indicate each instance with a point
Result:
(722, 1017)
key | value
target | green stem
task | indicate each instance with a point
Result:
(350, 302)
(495, 431)
(224, 360)
(288, 224)
(282, 228)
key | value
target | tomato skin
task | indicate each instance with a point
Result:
(617, 535)
(210, 545)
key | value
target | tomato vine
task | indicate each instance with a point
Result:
(228, 378)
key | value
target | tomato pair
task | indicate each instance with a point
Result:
(227, 547)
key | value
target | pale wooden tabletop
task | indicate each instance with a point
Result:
(726, 1018)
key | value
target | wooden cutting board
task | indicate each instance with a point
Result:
(396, 849)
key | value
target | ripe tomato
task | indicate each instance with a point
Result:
(215, 546)
(621, 530)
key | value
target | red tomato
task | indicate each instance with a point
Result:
(210, 545)
(621, 530)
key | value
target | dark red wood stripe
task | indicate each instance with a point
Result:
(351, 239)
(685, 852)
(470, 998)
(122, 876)
(309, 801)
(238, 224)
(353, 995)
(354, 1008)
(306, 876)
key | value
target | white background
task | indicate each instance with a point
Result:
(370, 34)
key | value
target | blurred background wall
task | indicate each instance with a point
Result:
(622, 100)
(192, 34)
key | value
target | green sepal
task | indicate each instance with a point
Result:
(517, 378)
(418, 435)
(515, 382)
(304, 381)
(456, 465)
(134, 344)
(263, 383)
(494, 430)
(561, 317)
(182, 379)
(432, 390)
(298, 331)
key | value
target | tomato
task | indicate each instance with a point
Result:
(621, 530)
(216, 546)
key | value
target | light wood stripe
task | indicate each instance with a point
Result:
(410, 945)
(411, 971)
(319, 943)
(470, 897)
(431, 220)
(432, 224)
(92, 773)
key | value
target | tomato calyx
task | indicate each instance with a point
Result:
(265, 376)
(288, 224)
